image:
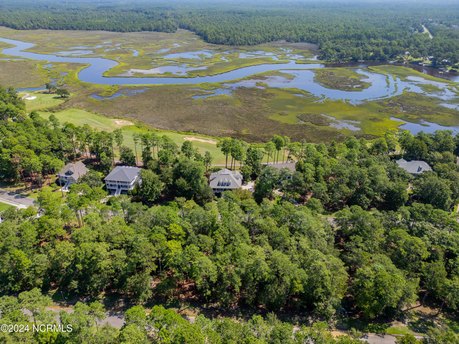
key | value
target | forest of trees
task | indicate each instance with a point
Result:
(347, 235)
(343, 32)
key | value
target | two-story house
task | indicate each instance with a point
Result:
(122, 179)
(71, 173)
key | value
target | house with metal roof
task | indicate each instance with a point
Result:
(122, 179)
(225, 180)
(71, 173)
(414, 167)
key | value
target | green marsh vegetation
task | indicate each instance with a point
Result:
(254, 114)
(341, 79)
(404, 72)
(152, 47)
(22, 73)
(250, 113)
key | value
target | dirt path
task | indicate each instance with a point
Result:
(426, 30)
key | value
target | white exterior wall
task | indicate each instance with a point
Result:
(114, 185)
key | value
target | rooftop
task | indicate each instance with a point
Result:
(123, 174)
(225, 179)
(414, 166)
(74, 169)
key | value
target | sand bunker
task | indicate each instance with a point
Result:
(197, 139)
(122, 122)
(28, 97)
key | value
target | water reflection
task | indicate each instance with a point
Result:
(124, 92)
(180, 70)
(192, 55)
(381, 86)
(424, 126)
(296, 76)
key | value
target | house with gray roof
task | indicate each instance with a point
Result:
(122, 179)
(225, 180)
(71, 173)
(414, 167)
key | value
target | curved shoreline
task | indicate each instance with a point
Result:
(97, 66)
(302, 77)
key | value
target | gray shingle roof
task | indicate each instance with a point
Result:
(123, 174)
(225, 179)
(73, 169)
(414, 166)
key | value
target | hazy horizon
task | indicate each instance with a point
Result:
(131, 2)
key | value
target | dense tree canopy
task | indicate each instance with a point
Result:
(348, 232)
(343, 32)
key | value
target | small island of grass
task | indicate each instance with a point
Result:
(343, 79)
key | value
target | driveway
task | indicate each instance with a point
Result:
(379, 339)
(16, 200)
(373, 338)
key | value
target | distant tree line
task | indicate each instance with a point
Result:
(350, 32)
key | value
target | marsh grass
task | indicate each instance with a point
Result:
(249, 113)
(344, 79)
(22, 74)
(404, 72)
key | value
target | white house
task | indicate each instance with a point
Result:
(71, 173)
(122, 179)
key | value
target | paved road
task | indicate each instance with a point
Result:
(18, 201)
(383, 339)
(379, 339)
(114, 319)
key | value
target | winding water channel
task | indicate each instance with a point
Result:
(297, 75)
(97, 66)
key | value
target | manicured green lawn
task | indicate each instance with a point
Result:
(80, 117)
(398, 330)
(41, 101)
(99, 122)
(4, 206)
